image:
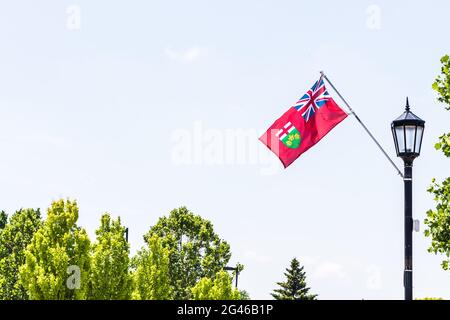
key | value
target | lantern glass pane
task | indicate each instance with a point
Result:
(400, 138)
(419, 139)
(410, 141)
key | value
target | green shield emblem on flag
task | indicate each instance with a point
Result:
(292, 140)
(290, 136)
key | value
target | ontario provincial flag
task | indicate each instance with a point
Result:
(304, 124)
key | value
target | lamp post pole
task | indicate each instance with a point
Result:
(407, 278)
(235, 269)
(407, 131)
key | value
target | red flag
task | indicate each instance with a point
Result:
(304, 124)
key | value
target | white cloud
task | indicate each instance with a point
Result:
(189, 55)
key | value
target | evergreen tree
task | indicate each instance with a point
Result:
(295, 286)
(110, 278)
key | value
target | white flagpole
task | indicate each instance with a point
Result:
(362, 124)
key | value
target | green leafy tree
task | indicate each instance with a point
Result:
(244, 295)
(14, 238)
(151, 277)
(438, 220)
(57, 259)
(294, 288)
(3, 219)
(442, 83)
(196, 251)
(219, 288)
(110, 278)
(444, 144)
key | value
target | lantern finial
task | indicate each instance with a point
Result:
(407, 104)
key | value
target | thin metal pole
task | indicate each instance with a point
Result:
(407, 275)
(236, 270)
(362, 124)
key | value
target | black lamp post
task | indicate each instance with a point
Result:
(235, 269)
(408, 132)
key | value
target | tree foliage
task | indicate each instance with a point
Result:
(196, 251)
(57, 259)
(244, 295)
(294, 288)
(14, 238)
(444, 144)
(54, 260)
(218, 288)
(110, 278)
(3, 219)
(151, 278)
(442, 83)
(438, 219)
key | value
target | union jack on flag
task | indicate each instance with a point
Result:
(312, 100)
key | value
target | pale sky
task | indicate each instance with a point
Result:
(139, 107)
